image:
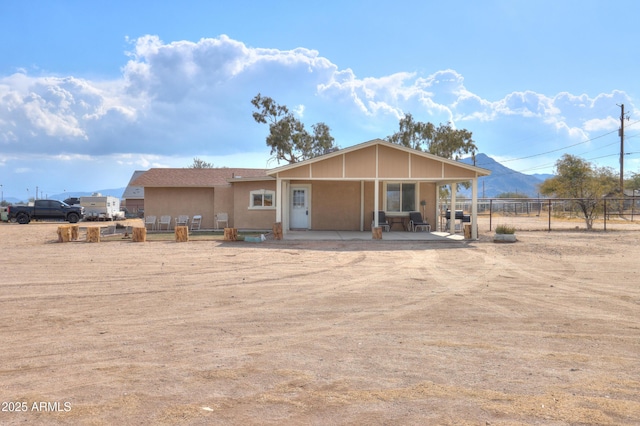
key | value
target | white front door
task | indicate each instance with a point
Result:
(299, 214)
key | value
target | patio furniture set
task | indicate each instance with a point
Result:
(194, 223)
(415, 221)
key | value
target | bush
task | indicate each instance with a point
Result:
(505, 229)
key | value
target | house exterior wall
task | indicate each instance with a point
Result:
(224, 203)
(243, 216)
(361, 163)
(335, 205)
(425, 167)
(133, 204)
(392, 163)
(180, 201)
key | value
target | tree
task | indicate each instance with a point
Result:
(633, 183)
(288, 139)
(201, 164)
(443, 140)
(579, 179)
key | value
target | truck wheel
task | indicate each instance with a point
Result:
(23, 219)
(73, 218)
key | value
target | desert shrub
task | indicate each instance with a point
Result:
(505, 229)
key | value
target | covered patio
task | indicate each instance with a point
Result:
(340, 191)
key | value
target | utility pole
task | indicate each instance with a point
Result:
(621, 131)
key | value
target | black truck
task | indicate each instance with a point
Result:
(45, 209)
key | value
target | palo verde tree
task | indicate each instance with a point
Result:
(288, 139)
(443, 140)
(587, 184)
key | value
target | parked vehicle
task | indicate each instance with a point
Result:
(99, 207)
(73, 201)
(46, 209)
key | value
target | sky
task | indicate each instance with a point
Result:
(92, 91)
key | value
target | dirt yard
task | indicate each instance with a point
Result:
(544, 331)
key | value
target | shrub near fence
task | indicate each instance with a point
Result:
(547, 214)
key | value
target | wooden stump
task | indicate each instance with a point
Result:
(64, 234)
(467, 231)
(139, 234)
(376, 233)
(182, 234)
(93, 234)
(277, 230)
(230, 234)
(75, 231)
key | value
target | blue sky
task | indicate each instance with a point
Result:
(92, 91)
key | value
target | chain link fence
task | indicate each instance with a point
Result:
(547, 214)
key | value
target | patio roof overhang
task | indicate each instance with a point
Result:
(379, 161)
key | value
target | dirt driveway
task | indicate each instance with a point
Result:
(544, 331)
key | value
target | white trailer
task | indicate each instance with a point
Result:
(99, 207)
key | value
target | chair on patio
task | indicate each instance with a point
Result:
(222, 218)
(195, 222)
(164, 220)
(382, 220)
(415, 222)
(150, 221)
(182, 220)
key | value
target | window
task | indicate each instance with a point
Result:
(262, 199)
(401, 197)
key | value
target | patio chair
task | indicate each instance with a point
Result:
(164, 220)
(150, 221)
(222, 217)
(182, 220)
(415, 222)
(382, 220)
(195, 222)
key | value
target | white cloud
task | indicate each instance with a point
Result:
(184, 99)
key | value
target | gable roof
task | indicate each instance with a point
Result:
(194, 178)
(362, 146)
(131, 191)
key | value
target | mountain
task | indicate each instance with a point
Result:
(502, 179)
(114, 192)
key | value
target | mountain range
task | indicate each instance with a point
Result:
(503, 179)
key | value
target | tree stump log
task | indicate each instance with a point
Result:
(182, 234)
(93, 234)
(230, 234)
(376, 233)
(277, 230)
(75, 232)
(467, 231)
(64, 234)
(139, 234)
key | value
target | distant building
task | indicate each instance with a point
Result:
(133, 196)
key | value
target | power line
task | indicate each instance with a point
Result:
(564, 148)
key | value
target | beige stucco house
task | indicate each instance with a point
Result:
(336, 191)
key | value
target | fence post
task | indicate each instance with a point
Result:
(490, 213)
(605, 215)
(549, 215)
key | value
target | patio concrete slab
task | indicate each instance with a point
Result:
(366, 236)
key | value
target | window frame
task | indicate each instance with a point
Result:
(262, 193)
(416, 196)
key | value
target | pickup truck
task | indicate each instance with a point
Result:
(45, 209)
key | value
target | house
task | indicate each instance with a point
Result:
(336, 191)
(133, 196)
